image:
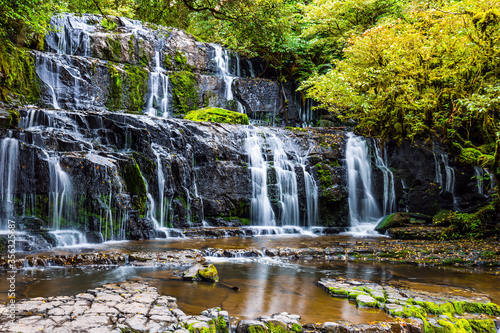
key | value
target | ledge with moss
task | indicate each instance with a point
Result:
(439, 312)
(218, 115)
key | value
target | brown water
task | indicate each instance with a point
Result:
(266, 286)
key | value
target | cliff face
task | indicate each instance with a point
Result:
(104, 155)
(140, 68)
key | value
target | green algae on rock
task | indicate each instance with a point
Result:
(209, 273)
(218, 115)
(456, 313)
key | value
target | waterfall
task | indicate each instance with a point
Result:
(261, 210)
(479, 174)
(9, 165)
(222, 61)
(48, 72)
(389, 202)
(364, 211)
(269, 155)
(446, 182)
(68, 237)
(69, 35)
(163, 208)
(60, 198)
(311, 197)
(250, 67)
(363, 208)
(158, 90)
(286, 183)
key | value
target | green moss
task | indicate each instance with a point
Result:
(473, 225)
(127, 88)
(338, 292)
(131, 47)
(9, 118)
(296, 129)
(114, 98)
(218, 115)
(209, 274)
(184, 90)
(486, 308)
(137, 85)
(296, 328)
(324, 175)
(256, 329)
(177, 62)
(109, 25)
(114, 49)
(18, 80)
(469, 156)
(244, 221)
(136, 186)
(482, 325)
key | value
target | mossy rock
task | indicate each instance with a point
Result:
(136, 186)
(218, 115)
(392, 221)
(184, 91)
(209, 273)
(18, 79)
(9, 118)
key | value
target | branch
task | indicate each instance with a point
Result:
(215, 13)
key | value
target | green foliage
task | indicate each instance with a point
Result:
(267, 29)
(24, 22)
(184, 91)
(435, 72)
(109, 25)
(469, 225)
(218, 115)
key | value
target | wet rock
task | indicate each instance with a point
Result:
(200, 272)
(246, 326)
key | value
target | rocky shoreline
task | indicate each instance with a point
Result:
(484, 253)
(134, 306)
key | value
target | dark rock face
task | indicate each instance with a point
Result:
(432, 180)
(116, 176)
(87, 67)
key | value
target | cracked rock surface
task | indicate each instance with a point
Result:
(106, 309)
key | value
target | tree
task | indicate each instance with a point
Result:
(436, 72)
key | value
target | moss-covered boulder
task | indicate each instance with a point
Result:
(391, 221)
(209, 273)
(218, 115)
(200, 272)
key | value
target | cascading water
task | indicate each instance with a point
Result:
(9, 151)
(479, 174)
(446, 182)
(261, 210)
(274, 165)
(48, 72)
(364, 210)
(157, 102)
(389, 202)
(222, 61)
(286, 183)
(60, 198)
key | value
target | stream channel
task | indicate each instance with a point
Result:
(266, 285)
